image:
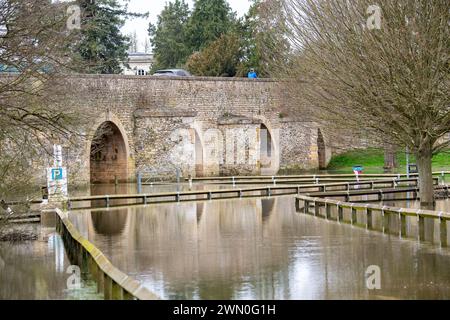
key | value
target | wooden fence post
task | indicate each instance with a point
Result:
(386, 215)
(369, 224)
(421, 227)
(328, 210)
(402, 226)
(340, 213)
(443, 232)
(354, 216)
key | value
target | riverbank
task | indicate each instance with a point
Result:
(372, 160)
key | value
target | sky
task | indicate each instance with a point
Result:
(154, 7)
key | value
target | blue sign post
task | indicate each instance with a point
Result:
(57, 177)
(57, 174)
(357, 171)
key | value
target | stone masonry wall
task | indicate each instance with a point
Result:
(166, 123)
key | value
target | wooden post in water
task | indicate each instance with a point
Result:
(347, 197)
(402, 226)
(421, 227)
(101, 281)
(340, 213)
(127, 296)
(92, 266)
(443, 232)
(369, 224)
(107, 288)
(328, 210)
(385, 221)
(117, 292)
(354, 216)
(306, 206)
(316, 208)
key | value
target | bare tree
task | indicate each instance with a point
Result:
(382, 69)
(36, 49)
(134, 43)
(147, 46)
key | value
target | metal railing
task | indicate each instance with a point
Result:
(199, 195)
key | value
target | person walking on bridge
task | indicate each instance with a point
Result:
(252, 74)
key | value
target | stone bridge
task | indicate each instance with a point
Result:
(203, 126)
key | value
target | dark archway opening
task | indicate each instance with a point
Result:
(265, 140)
(321, 150)
(108, 155)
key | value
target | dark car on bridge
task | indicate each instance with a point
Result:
(172, 73)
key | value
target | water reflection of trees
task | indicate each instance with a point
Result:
(261, 248)
(218, 245)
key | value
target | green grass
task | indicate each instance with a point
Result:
(373, 161)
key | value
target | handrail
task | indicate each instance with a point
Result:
(376, 207)
(238, 192)
(386, 211)
(313, 176)
(317, 180)
(117, 285)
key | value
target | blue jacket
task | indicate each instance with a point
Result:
(252, 75)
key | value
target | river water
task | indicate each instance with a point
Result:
(37, 269)
(261, 248)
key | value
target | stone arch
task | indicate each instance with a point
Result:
(199, 152)
(269, 148)
(321, 150)
(109, 152)
(324, 151)
(265, 141)
(199, 158)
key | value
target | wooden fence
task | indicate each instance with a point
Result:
(113, 283)
(197, 195)
(368, 209)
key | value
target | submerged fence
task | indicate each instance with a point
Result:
(315, 177)
(262, 191)
(113, 283)
(367, 221)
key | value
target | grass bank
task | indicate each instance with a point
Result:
(373, 161)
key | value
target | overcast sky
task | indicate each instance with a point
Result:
(154, 7)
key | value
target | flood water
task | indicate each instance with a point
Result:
(261, 248)
(37, 269)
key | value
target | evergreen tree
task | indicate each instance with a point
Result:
(219, 59)
(168, 36)
(263, 39)
(102, 47)
(209, 20)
